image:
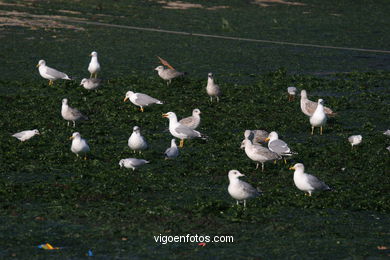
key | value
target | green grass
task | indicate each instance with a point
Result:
(48, 195)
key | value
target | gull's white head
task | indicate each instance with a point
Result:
(75, 135)
(298, 167)
(36, 132)
(273, 136)
(121, 163)
(210, 75)
(195, 112)
(93, 54)
(83, 81)
(159, 68)
(136, 129)
(320, 101)
(170, 115)
(247, 133)
(128, 95)
(234, 174)
(65, 101)
(303, 93)
(41, 63)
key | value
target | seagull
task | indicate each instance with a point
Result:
(172, 152)
(141, 100)
(318, 119)
(50, 73)
(355, 140)
(240, 190)
(91, 83)
(192, 121)
(94, 66)
(292, 91)
(79, 145)
(259, 154)
(278, 146)
(256, 136)
(212, 89)
(26, 135)
(168, 74)
(387, 132)
(132, 163)
(180, 131)
(71, 114)
(308, 107)
(136, 141)
(306, 182)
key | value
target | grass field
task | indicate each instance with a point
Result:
(49, 195)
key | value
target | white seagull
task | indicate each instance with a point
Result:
(318, 119)
(71, 114)
(355, 140)
(50, 73)
(141, 100)
(240, 190)
(132, 163)
(278, 146)
(172, 152)
(27, 134)
(259, 154)
(136, 141)
(192, 121)
(180, 131)
(79, 145)
(306, 182)
(212, 89)
(91, 83)
(168, 74)
(94, 66)
(308, 107)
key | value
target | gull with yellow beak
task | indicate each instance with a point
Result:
(141, 100)
(94, 66)
(278, 146)
(181, 131)
(50, 73)
(79, 145)
(306, 182)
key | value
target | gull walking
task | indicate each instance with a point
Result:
(259, 154)
(168, 74)
(132, 163)
(94, 66)
(79, 145)
(292, 91)
(91, 83)
(50, 73)
(71, 114)
(318, 119)
(181, 131)
(240, 190)
(141, 100)
(192, 121)
(172, 152)
(278, 146)
(308, 107)
(212, 89)
(26, 135)
(306, 182)
(355, 140)
(136, 141)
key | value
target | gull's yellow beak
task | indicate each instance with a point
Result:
(38, 65)
(70, 138)
(165, 115)
(291, 168)
(266, 139)
(126, 98)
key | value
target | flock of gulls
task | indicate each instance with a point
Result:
(259, 145)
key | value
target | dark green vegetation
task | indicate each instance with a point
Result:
(48, 195)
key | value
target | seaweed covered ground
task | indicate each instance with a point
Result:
(49, 195)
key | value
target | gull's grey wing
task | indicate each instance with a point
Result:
(279, 146)
(316, 183)
(75, 113)
(187, 121)
(249, 189)
(173, 73)
(95, 80)
(182, 129)
(19, 135)
(310, 106)
(55, 73)
(145, 100)
(265, 152)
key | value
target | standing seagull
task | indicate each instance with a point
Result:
(79, 145)
(180, 131)
(168, 74)
(278, 146)
(71, 114)
(318, 119)
(141, 100)
(91, 83)
(240, 190)
(94, 66)
(50, 73)
(172, 152)
(136, 141)
(26, 135)
(306, 182)
(192, 121)
(212, 89)
(308, 107)
(355, 140)
(259, 154)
